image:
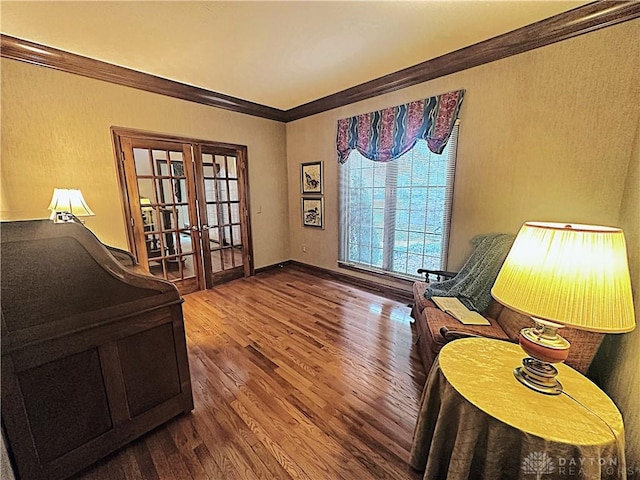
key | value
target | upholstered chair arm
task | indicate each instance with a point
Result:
(450, 335)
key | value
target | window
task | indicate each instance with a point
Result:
(395, 216)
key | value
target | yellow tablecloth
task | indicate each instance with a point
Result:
(476, 421)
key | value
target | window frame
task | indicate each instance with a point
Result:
(389, 225)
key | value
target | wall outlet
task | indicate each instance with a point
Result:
(304, 249)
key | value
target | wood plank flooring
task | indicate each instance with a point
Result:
(294, 377)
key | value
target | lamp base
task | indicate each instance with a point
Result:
(539, 376)
(64, 217)
(544, 347)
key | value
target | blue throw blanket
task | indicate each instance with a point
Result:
(472, 285)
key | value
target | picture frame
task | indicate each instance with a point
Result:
(311, 178)
(313, 212)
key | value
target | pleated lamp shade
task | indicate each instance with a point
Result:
(575, 275)
(70, 201)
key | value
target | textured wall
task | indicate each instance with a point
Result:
(617, 365)
(545, 135)
(55, 133)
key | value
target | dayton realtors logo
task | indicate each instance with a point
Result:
(538, 464)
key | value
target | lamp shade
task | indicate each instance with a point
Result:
(576, 275)
(71, 201)
(145, 204)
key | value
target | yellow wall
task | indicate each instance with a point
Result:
(55, 133)
(617, 365)
(545, 135)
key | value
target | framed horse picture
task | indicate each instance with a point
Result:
(311, 178)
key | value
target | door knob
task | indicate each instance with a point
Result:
(206, 227)
(194, 228)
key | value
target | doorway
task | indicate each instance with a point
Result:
(187, 207)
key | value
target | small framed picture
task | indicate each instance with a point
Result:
(311, 178)
(313, 212)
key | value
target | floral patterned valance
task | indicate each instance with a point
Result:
(386, 134)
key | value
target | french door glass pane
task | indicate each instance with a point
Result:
(221, 166)
(212, 214)
(147, 192)
(210, 190)
(186, 244)
(233, 190)
(214, 238)
(208, 171)
(235, 213)
(142, 162)
(232, 171)
(224, 208)
(237, 240)
(221, 186)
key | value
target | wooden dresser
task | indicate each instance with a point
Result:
(93, 352)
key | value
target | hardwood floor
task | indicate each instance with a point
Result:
(294, 377)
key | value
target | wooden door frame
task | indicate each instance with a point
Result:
(241, 151)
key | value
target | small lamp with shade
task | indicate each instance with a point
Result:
(564, 275)
(67, 204)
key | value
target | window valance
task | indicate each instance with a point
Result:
(386, 134)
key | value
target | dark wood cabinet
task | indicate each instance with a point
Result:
(93, 353)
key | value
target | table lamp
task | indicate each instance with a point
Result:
(66, 204)
(147, 209)
(564, 275)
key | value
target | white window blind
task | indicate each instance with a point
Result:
(395, 216)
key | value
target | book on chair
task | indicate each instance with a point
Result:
(457, 310)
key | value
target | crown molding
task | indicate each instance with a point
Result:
(44, 56)
(572, 23)
(560, 27)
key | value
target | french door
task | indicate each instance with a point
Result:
(221, 211)
(187, 205)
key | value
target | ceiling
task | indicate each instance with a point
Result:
(279, 54)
